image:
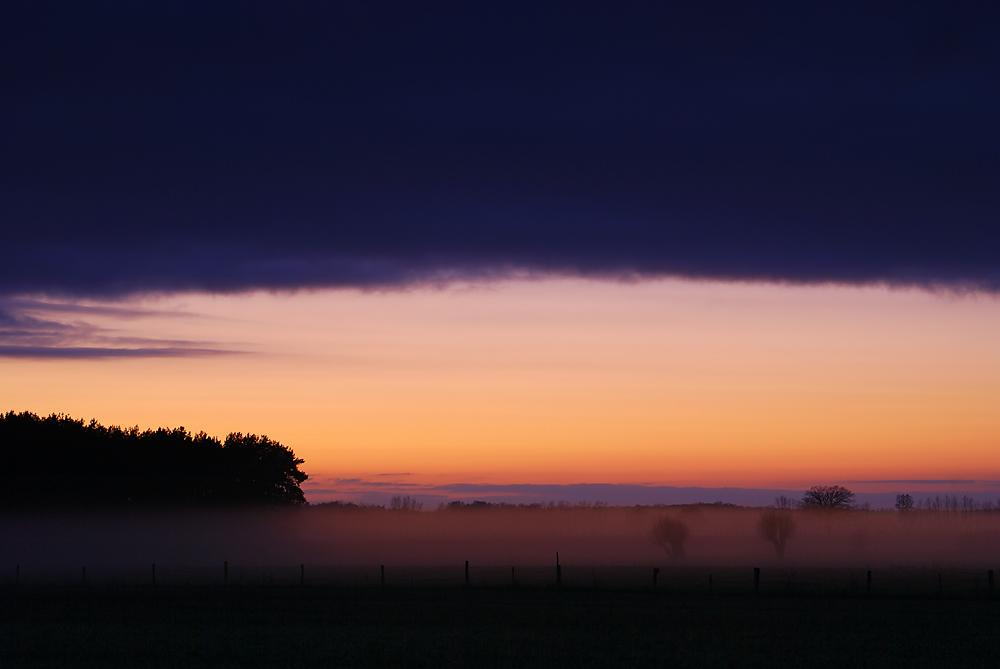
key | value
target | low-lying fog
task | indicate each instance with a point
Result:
(591, 535)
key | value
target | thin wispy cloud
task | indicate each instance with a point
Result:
(918, 481)
(103, 353)
(367, 490)
(320, 489)
(31, 329)
(118, 310)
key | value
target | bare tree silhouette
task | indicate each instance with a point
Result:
(670, 533)
(777, 525)
(783, 502)
(407, 503)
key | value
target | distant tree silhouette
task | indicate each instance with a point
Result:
(407, 503)
(670, 533)
(777, 525)
(904, 503)
(58, 461)
(828, 497)
(782, 502)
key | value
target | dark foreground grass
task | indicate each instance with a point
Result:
(320, 626)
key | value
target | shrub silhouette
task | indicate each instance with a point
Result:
(776, 525)
(671, 533)
(58, 461)
(828, 497)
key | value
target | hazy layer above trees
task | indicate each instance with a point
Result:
(60, 462)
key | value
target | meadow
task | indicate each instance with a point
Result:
(312, 626)
(340, 585)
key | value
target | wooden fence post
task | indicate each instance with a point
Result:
(756, 579)
(302, 574)
(989, 579)
(466, 573)
(656, 573)
(382, 571)
(558, 570)
(869, 581)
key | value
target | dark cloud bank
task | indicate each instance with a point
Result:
(232, 146)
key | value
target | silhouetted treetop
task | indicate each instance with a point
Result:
(828, 497)
(904, 502)
(58, 461)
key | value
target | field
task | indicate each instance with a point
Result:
(372, 587)
(430, 625)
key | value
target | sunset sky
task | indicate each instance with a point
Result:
(470, 249)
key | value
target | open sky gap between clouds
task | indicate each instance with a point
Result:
(226, 147)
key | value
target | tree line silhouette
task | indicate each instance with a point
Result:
(61, 462)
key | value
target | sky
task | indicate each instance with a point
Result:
(496, 244)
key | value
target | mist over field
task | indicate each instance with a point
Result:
(341, 536)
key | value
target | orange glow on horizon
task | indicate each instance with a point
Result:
(566, 381)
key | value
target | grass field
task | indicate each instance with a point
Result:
(681, 623)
